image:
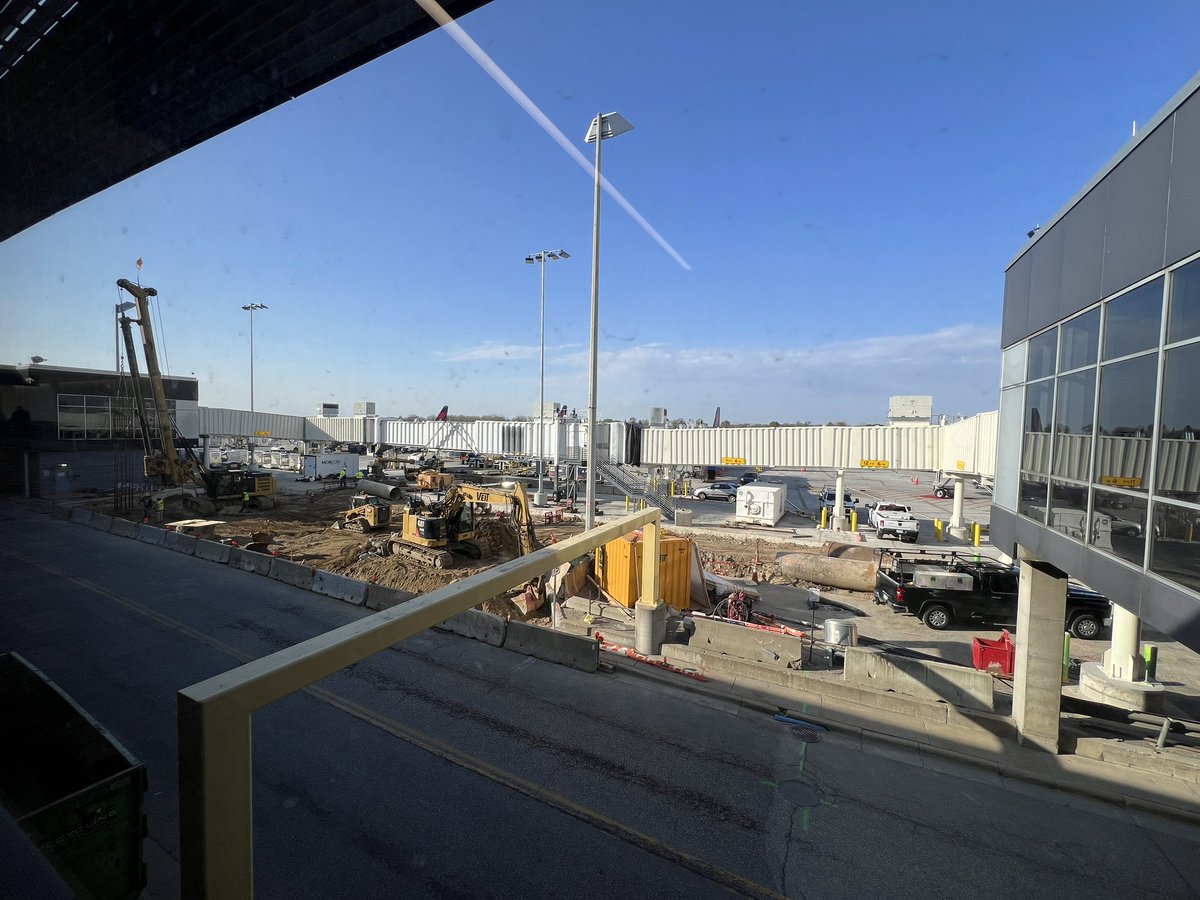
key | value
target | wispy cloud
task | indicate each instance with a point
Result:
(491, 350)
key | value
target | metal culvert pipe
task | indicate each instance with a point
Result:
(379, 489)
(848, 574)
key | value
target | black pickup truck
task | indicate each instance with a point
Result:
(943, 588)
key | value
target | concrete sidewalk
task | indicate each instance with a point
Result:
(928, 734)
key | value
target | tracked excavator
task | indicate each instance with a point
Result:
(186, 483)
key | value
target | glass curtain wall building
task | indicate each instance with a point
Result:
(1098, 465)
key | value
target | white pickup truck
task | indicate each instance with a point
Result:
(893, 520)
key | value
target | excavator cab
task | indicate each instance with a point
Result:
(366, 513)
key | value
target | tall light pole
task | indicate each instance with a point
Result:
(539, 498)
(250, 308)
(603, 127)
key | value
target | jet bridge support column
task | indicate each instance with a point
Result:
(957, 528)
(837, 513)
(1037, 676)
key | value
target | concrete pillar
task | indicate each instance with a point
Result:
(957, 528)
(650, 621)
(838, 520)
(1123, 660)
(1037, 679)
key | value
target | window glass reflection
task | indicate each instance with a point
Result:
(1080, 341)
(1039, 415)
(1012, 366)
(1032, 501)
(1184, 320)
(1178, 451)
(1043, 351)
(1125, 422)
(1073, 413)
(1134, 320)
(1119, 525)
(1175, 552)
(1068, 509)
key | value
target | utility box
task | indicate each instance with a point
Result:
(619, 569)
(760, 504)
(75, 791)
(933, 577)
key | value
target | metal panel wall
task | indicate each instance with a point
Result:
(1135, 235)
(1183, 213)
(243, 423)
(341, 429)
(973, 442)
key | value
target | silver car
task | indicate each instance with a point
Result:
(718, 490)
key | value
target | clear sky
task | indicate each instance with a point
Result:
(845, 182)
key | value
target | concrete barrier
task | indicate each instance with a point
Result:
(60, 512)
(181, 543)
(124, 528)
(212, 551)
(101, 521)
(249, 561)
(295, 574)
(780, 650)
(81, 516)
(380, 597)
(340, 587)
(475, 623)
(919, 678)
(148, 534)
(38, 504)
(582, 653)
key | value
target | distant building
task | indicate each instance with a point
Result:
(910, 409)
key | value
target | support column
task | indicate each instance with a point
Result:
(1037, 679)
(650, 619)
(1117, 680)
(957, 528)
(837, 514)
(1123, 660)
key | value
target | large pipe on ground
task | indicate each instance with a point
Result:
(848, 574)
(379, 489)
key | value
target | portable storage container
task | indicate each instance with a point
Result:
(619, 569)
(760, 504)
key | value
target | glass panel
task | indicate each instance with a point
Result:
(1073, 414)
(1120, 525)
(1184, 320)
(1032, 502)
(1134, 321)
(1008, 448)
(1178, 450)
(95, 401)
(1043, 351)
(1175, 553)
(1126, 421)
(1080, 341)
(70, 399)
(1039, 414)
(1068, 509)
(1012, 366)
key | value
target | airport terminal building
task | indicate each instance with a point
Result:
(1098, 462)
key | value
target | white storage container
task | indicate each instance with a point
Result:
(760, 504)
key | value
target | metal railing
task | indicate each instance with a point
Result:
(215, 781)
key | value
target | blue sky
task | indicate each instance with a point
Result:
(846, 183)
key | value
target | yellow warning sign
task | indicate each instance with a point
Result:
(733, 460)
(262, 434)
(1119, 481)
(873, 463)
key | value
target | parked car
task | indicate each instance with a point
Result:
(748, 477)
(718, 490)
(828, 498)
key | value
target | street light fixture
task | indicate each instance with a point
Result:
(250, 308)
(603, 127)
(539, 498)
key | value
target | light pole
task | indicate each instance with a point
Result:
(250, 308)
(539, 498)
(603, 127)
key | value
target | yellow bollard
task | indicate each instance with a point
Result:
(937, 530)
(824, 516)
(854, 520)
(976, 531)
(672, 487)
(626, 503)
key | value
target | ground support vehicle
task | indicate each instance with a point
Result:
(894, 520)
(945, 587)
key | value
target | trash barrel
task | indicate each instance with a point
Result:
(998, 657)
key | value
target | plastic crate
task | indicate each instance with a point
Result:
(998, 657)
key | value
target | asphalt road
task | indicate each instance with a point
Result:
(486, 774)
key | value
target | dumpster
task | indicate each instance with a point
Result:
(997, 657)
(66, 781)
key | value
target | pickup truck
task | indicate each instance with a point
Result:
(893, 520)
(828, 499)
(944, 588)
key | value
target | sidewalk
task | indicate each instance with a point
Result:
(1129, 773)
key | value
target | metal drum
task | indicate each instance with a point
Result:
(841, 631)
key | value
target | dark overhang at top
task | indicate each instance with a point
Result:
(94, 92)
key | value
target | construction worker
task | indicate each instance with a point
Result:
(359, 475)
(342, 477)
(159, 506)
(245, 500)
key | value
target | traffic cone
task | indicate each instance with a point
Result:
(554, 538)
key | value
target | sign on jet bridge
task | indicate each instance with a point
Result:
(733, 460)
(262, 434)
(873, 463)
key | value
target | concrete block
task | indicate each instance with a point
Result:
(148, 534)
(1142, 696)
(249, 561)
(180, 543)
(212, 551)
(750, 644)
(60, 512)
(380, 597)
(295, 574)
(101, 521)
(921, 679)
(553, 646)
(340, 587)
(81, 516)
(475, 623)
(124, 528)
